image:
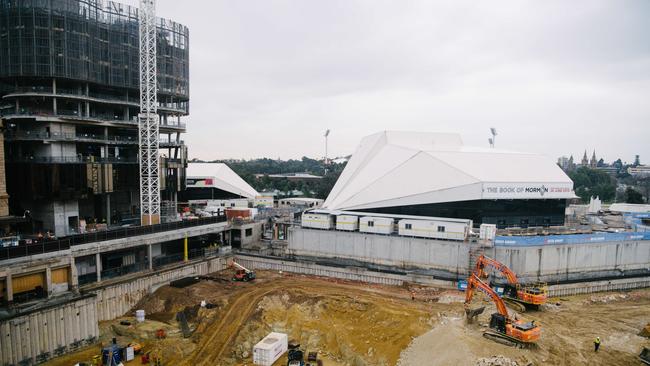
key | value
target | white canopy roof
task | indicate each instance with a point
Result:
(220, 176)
(408, 168)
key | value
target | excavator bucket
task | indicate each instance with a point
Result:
(473, 313)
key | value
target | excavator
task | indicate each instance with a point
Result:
(518, 296)
(242, 273)
(503, 329)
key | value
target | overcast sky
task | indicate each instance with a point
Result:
(556, 77)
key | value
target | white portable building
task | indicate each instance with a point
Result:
(487, 232)
(377, 225)
(317, 221)
(347, 222)
(269, 349)
(435, 229)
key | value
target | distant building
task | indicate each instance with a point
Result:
(291, 176)
(435, 174)
(639, 171)
(609, 169)
(584, 161)
(563, 162)
(593, 162)
(210, 181)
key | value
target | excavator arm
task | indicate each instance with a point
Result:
(474, 282)
(485, 261)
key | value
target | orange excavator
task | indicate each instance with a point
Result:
(503, 329)
(518, 295)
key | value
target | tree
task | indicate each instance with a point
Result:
(633, 196)
(592, 182)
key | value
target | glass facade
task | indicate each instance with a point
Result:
(90, 41)
(503, 213)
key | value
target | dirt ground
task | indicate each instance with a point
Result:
(355, 324)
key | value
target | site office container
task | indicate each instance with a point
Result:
(487, 232)
(377, 225)
(269, 349)
(347, 222)
(434, 229)
(317, 221)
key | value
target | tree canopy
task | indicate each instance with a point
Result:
(592, 182)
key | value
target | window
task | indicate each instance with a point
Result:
(249, 232)
(371, 223)
(408, 226)
(441, 229)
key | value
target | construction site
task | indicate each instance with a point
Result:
(116, 250)
(352, 323)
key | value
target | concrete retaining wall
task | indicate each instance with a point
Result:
(117, 299)
(598, 286)
(586, 261)
(364, 275)
(447, 258)
(450, 260)
(46, 333)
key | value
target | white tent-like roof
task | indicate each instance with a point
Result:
(220, 176)
(409, 168)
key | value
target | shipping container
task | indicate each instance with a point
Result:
(318, 221)
(376, 225)
(434, 229)
(347, 222)
(269, 349)
(487, 232)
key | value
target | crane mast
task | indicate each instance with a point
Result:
(148, 117)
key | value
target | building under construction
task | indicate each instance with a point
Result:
(69, 83)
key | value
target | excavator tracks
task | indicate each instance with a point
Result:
(504, 339)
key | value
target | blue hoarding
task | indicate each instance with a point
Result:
(504, 241)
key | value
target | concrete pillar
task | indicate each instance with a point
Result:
(54, 99)
(9, 285)
(108, 209)
(87, 103)
(98, 266)
(150, 255)
(17, 106)
(48, 281)
(74, 276)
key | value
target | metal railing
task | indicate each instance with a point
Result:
(74, 115)
(72, 159)
(50, 246)
(123, 270)
(59, 136)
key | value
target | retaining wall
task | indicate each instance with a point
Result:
(61, 328)
(40, 335)
(445, 258)
(551, 262)
(576, 262)
(117, 299)
(365, 275)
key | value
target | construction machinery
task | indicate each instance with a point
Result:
(645, 355)
(296, 357)
(503, 329)
(242, 273)
(518, 296)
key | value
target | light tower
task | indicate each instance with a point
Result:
(148, 117)
(326, 162)
(493, 139)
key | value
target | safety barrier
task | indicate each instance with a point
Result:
(49, 246)
(505, 241)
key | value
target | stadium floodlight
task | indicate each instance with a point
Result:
(493, 140)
